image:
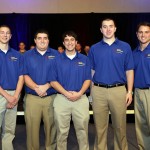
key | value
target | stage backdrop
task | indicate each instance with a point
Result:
(86, 25)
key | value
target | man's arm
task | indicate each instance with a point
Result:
(29, 82)
(19, 87)
(77, 95)
(8, 97)
(13, 100)
(58, 87)
(39, 89)
(130, 80)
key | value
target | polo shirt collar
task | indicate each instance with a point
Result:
(65, 56)
(47, 51)
(115, 42)
(148, 47)
(9, 49)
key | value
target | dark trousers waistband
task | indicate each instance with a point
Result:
(109, 85)
(145, 88)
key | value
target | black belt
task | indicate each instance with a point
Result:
(9, 89)
(146, 88)
(109, 85)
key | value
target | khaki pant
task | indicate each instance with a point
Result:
(7, 123)
(38, 108)
(79, 111)
(113, 100)
(142, 118)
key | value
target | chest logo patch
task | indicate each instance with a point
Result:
(119, 51)
(81, 63)
(147, 55)
(50, 57)
(13, 58)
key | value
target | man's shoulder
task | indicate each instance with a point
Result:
(97, 44)
(53, 51)
(29, 52)
(123, 43)
(14, 51)
(82, 56)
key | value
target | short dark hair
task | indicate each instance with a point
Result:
(107, 19)
(69, 33)
(41, 31)
(142, 24)
(6, 26)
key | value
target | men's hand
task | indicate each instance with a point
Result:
(68, 95)
(41, 90)
(128, 99)
(11, 99)
(75, 96)
(10, 105)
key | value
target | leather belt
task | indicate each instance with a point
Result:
(109, 85)
(146, 88)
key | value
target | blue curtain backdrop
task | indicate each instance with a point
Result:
(87, 26)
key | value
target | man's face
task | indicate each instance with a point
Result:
(60, 49)
(86, 49)
(5, 35)
(70, 43)
(21, 46)
(42, 41)
(78, 47)
(108, 29)
(143, 34)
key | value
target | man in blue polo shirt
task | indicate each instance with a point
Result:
(11, 82)
(141, 57)
(112, 62)
(71, 78)
(39, 98)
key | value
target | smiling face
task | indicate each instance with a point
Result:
(143, 34)
(5, 35)
(70, 43)
(108, 29)
(41, 41)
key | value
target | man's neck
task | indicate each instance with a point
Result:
(22, 50)
(109, 41)
(4, 46)
(42, 52)
(143, 46)
(70, 52)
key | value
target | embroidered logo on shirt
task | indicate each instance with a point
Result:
(81, 63)
(147, 55)
(50, 57)
(119, 51)
(13, 58)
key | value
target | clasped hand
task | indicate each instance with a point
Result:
(12, 101)
(41, 90)
(73, 96)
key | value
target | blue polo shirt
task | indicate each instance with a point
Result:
(111, 62)
(11, 67)
(71, 74)
(142, 67)
(37, 66)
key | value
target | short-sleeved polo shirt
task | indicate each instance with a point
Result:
(111, 62)
(71, 73)
(11, 67)
(142, 67)
(38, 66)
